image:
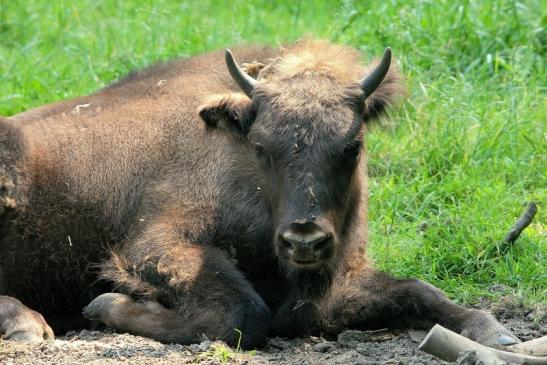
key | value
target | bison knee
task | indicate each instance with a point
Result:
(17, 322)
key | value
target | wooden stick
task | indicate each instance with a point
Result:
(524, 221)
(447, 345)
(536, 347)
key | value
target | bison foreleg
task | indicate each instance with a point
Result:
(183, 304)
(374, 300)
(175, 291)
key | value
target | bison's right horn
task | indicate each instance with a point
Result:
(372, 81)
(244, 81)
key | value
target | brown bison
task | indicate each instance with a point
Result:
(207, 210)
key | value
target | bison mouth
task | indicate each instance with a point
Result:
(306, 263)
(305, 257)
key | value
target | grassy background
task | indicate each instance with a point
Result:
(449, 175)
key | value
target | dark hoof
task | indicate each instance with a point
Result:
(485, 329)
(501, 339)
(100, 308)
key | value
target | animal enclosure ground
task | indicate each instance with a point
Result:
(351, 347)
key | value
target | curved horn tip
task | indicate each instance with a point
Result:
(244, 81)
(375, 78)
(228, 54)
(388, 52)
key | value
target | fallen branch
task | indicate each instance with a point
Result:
(524, 221)
(536, 347)
(447, 345)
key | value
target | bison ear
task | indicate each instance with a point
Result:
(231, 112)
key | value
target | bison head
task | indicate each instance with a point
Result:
(301, 122)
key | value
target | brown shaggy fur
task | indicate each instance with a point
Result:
(175, 189)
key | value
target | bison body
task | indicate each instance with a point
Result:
(207, 210)
(87, 178)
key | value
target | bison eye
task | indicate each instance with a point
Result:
(259, 149)
(352, 151)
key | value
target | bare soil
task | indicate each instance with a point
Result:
(351, 347)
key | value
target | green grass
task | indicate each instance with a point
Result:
(223, 354)
(449, 175)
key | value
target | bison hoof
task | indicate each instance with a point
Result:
(100, 308)
(485, 329)
(20, 323)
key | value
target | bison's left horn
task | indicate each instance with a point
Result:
(244, 81)
(372, 81)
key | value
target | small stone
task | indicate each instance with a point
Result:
(324, 347)
(204, 346)
(278, 343)
(201, 347)
(100, 347)
(499, 288)
(417, 336)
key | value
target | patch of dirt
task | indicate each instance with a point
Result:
(352, 347)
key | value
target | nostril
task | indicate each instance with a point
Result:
(322, 243)
(312, 241)
(284, 242)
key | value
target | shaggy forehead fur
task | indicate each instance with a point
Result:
(317, 58)
(315, 82)
(311, 89)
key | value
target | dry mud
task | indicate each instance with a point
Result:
(351, 347)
